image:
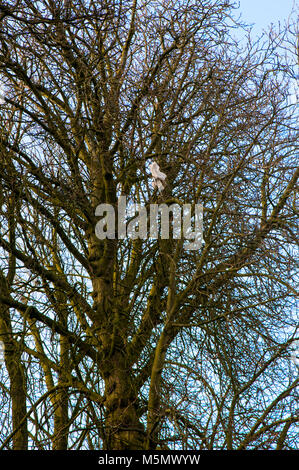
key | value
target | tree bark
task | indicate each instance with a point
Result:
(16, 372)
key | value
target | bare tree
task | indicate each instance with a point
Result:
(131, 343)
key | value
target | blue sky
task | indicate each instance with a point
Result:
(264, 12)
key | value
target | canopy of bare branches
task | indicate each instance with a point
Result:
(139, 343)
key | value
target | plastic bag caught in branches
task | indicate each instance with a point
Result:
(158, 176)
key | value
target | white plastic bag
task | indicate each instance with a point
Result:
(158, 176)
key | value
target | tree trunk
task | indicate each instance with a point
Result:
(16, 372)
(60, 437)
(124, 430)
(18, 395)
